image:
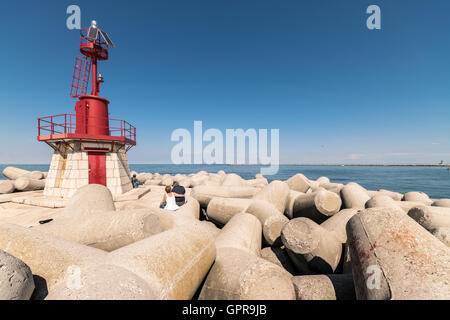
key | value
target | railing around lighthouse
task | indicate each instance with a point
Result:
(57, 124)
(65, 124)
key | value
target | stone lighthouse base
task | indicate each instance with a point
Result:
(78, 163)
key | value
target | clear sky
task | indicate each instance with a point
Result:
(337, 91)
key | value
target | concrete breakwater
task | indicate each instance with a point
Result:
(233, 239)
(21, 180)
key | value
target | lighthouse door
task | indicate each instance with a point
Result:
(97, 168)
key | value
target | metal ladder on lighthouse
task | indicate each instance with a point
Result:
(80, 78)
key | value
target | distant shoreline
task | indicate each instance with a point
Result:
(284, 165)
(354, 165)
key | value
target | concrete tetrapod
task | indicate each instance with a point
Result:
(165, 176)
(6, 186)
(243, 232)
(238, 272)
(198, 180)
(37, 175)
(239, 275)
(271, 219)
(298, 183)
(322, 180)
(338, 222)
(289, 212)
(324, 287)
(16, 279)
(221, 210)
(233, 179)
(408, 205)
(372, 193)
(259, 182)
(152, 182)
(431, 218)
(28, 184)
(178, 177)
(103, 282)
(210, 183)
(441, 203)
(313, 185)
(317, 206)
(173, 262)
(105, 230)
(417, 197)
(204, 194)
(142, 177)
(311, 247)
(336, 225)
(278, 256)
(51, 259)
(170, 265)
(191, 208)
(394, 195)
(276, 193)
(354, 196)
(173, 219)
(215, 177)
(382, 200)
(213, 230)
(168, 181)
(393, 257)
(333, 187)
(443, 234)
(88, 199)
(12, 173)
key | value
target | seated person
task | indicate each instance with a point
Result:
(179, 193)
(168, 202)
(134, 181)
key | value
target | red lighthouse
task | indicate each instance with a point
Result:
(89, 147)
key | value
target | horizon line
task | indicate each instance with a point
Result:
(281, 164)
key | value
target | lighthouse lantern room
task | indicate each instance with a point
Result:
(89, 147)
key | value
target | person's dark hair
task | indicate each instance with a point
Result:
(168, 189)
(174, 184)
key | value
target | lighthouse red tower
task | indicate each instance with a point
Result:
(89, 147)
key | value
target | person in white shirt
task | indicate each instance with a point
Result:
(168, 202)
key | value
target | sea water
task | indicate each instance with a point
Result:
(434, 181)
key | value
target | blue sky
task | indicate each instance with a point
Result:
(338, 92)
